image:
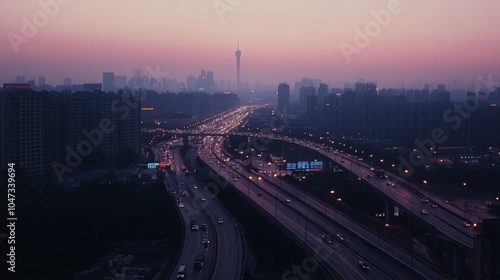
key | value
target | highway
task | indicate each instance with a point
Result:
(321, 218)
(305, 224)
(224, 240)
(308, 226)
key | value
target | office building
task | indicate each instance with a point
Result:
(108, 82)
(283, 98)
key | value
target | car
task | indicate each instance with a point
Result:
(287, 200)
(181, 205)
(424, 200)
(205, 242)
(195, 187)
(259, 193)
(327, 239)
(220, 221)
(235, 179)
(387, 183)
(434, 206)
(363, 265)
(467, 224)
(424, 211)
(202, 199)
(340, 237)
(203, 226)
(182, 183)
(372, 169)
(369, 175)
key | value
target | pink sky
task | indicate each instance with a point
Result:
(281, 40)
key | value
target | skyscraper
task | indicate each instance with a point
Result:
(238, 55)
(108, 82)
(283, 97)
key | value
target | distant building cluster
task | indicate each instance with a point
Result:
(164, 105)
(399, 115)
(41, 128)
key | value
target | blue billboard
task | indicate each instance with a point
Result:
(305, 166)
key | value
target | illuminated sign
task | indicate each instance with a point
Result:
(305, 166)
(147, 109)
(152, 165)
(316, 166)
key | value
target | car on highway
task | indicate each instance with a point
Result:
(424, 200)
(181, 205)
(434, 206)
(327, 239)
(288, 200)
(220, 221)
(424, 211)
(363, 265)
(205, 242)
(467, 224)
(203, 226)
(195, 187)
(340, 237)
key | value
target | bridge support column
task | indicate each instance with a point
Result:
(389, 211)
(457, 258)
(185, 140)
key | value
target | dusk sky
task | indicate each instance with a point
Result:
(280, 40)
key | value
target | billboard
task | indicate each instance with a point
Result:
(305, 166)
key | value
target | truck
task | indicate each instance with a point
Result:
(198, 261)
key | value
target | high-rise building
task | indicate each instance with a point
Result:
(41, 81)
(322, 92)
(283, 98)
(23, 129)
(238, 55)
(303, 94)
(108, 82)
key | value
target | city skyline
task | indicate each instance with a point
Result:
(282, 41)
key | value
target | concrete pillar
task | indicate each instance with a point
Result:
(457, 257)
(389, 211)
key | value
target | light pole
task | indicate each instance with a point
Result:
(248, 185)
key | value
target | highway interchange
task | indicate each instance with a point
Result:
(306, 218)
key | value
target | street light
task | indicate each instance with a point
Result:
(248, 185)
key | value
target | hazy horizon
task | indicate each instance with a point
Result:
(281, 41)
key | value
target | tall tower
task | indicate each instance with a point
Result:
(238, 55)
